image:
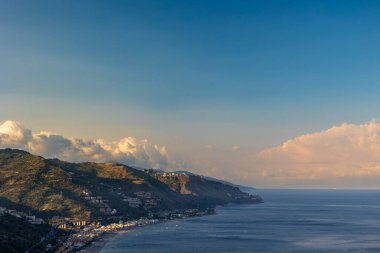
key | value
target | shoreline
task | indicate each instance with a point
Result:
(100, 242)
(97, 245)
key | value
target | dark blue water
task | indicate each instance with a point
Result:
(289, 221)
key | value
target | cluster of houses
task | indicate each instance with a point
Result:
(32, 219)
(150, 201)
(66, 223)
(141, 198)
(88, 233)
(171, 178)
(132, 202)
(83, 232)
(99, 202)
(171, 175)
(164, 175)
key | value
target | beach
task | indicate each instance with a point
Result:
(98, 244)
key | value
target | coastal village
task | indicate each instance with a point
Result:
(32, 219)
(82, 235)
(71, 206)
(75, 234)
(83, 232)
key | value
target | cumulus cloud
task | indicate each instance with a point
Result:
(340, 152)
(130, 151)
(343, 155)
(13, 134)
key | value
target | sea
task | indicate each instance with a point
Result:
(289, 221)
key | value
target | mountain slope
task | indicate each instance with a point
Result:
(204, 189)
(18, 235)
(49, 187)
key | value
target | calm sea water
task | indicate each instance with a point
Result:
(289, 221)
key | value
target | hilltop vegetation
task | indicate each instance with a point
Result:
(49, 187)
(18, 235)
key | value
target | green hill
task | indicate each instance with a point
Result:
(49, 187)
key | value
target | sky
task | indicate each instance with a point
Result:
(263, 93)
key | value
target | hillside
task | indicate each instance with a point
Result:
(204, 190)
(243, 188)
(18, 235)
(49, 187)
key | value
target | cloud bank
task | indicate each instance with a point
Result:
(347, 155)
(338, 153)
(130, 151)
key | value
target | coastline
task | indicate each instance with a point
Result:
(97, 245)
(100, 242)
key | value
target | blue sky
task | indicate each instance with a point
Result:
(247, 73)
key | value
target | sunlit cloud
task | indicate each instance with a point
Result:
(129, 150)
(346, 155)
(347, 150)
(343, 155)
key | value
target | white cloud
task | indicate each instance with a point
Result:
(14, 134)
(130, 151)
(338, 153)
(344, 155)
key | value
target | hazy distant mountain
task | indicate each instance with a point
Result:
(248, 189)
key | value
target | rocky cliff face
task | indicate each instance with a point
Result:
(51, 187)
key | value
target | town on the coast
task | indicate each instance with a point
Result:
(70, 205)
(72, 234)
